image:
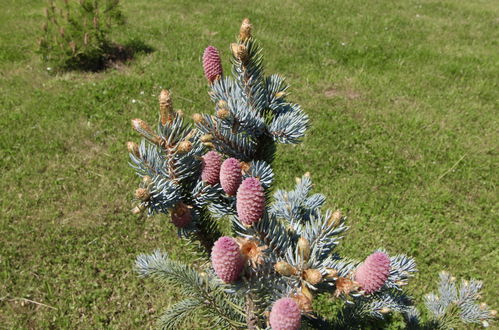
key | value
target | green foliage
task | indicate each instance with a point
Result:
(75, 34)
(204, 292)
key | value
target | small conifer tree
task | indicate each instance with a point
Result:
(281, 250)
(76, 34)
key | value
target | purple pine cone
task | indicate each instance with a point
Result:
(211, 64)
(285, 315)
(230, 175)
(373, 273)
(211, 167)
(250, 202)
(226, 259)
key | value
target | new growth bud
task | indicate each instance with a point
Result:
(223, 113)
(312, 276)
(133, 148)
(285, 269)
(184, 147)
(245, 30)
(335, 218)
(147, 180)
(142, 194)
(279, 95)
(304, 248)
(385, 310)
(222, 104)
(197, 118)
(145, 130)
(138, 209)
(206, 138)
(239, 51)
(165, 107)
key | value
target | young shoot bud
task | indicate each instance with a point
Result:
(206, 138)
(133, 148)
(304, 248)
(239, 51)
(165, 107)
(312, 276)
(191, 134)
(223, 113)
(222, 104)
(245, 30)
(385, 310)
(279, 95)
(142, 194)
(209, 145)
(147, 180)
(306, 292)
(145, 130)
(198, 118)
(86, 39)
(303, 302)
(62, 32)
(331, 273)
(245, 167)
(139, 209)
(184, 147)
(285, 269)
(335, 218)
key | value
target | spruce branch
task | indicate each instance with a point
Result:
(195, 285)
(178, 314)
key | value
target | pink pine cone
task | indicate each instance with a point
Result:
(285, 315)
(230, 175)
(211, 63)
(211, 167)
(250, 202)
(373, 273)
(226, 259)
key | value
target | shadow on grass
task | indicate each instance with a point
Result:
(113, 55)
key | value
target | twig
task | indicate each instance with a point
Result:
(33, 302)
(450, 169)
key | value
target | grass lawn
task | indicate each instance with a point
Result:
(403, 98)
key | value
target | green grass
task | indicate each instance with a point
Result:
(403, 101)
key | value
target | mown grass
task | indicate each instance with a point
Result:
(403, 101)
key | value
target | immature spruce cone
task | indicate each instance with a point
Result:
(285, 315)
(373, 273)
(230, 175)
(211, 167)
(211, 64)
(250, 201)
(181, 215)
(226, 259)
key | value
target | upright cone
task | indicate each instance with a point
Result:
(212, 64)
